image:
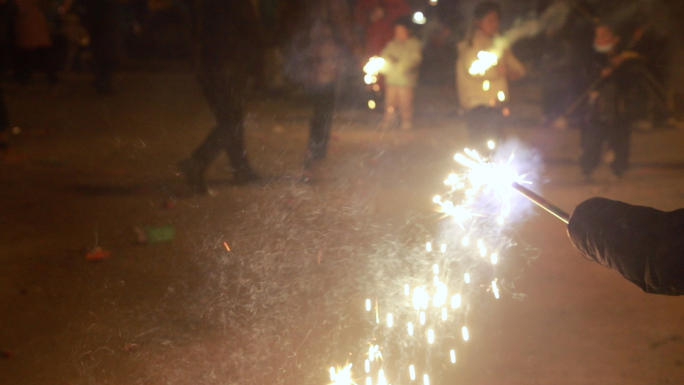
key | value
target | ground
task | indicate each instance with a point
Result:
(266, 283)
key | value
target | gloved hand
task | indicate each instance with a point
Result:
(642, 244)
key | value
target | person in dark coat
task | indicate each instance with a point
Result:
(642, 244)
(101, 20)
(229, 37)
(324, 38)
(614, 102)
(7, 15)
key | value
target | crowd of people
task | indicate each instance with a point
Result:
(324, 43)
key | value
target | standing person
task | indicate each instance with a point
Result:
(101, 20)
(229, 36)
(482, 95)
(613, 103)
(321, 42)
(403, 56)
(7, 14)
(377, 18)
(33, 43)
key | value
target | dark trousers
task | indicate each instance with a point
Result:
(323, 100)
(485, 124)
(27, 61)
(594, 135)
(224, 89)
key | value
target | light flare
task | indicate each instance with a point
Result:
(485, 61)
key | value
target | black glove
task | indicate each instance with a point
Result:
(644, 245)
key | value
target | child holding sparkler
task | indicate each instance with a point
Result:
(482, 92)
(403, 56)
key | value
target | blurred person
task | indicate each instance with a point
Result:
(377, 19)
(642, 244)
(102, 23)
(614, 102)
(324, 38)
(403, 56)
(7, 15)
(480, 95)
(229, 36)
(32, 43)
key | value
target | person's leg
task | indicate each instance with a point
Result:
(619, 140)
(406, 107)
(321, 122)
(593, 136)
(391, 105)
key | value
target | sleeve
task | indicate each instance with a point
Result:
(642, 244)
(513, 65)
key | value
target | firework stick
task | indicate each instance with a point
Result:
(541, 202)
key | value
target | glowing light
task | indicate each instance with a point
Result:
(495, 289)
(501, 96)
(410, 328)
(412, 372)
(444, 314)
(485, 60)
(494, 258)
(456, 301)
(371, 104)
(465, 241)
(466, 277)
(435, 268)
(369, 381)
(368, 304)
(440, 297)
(422, 317)
(419, 18)
(452, 355)
(426, 379)
(443, 248)
(374, 65)
(433, 2)
(491, 144)
(381, 377)
(390, 320)
(485, 85)
(407, 289)
(464, 333)
(342, 376)
(431, 336)
(428, 247)
(367, 366)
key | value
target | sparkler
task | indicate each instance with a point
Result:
(429, 314)
(372, 68)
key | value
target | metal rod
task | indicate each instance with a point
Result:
(543, 203)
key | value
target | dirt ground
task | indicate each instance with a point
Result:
(286, 301)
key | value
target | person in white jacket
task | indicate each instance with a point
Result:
(403, 56)
(483, 91)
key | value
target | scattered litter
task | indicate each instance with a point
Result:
(97, 254)
(226, 245)
(151, 234)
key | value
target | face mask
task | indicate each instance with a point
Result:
(604, 48)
